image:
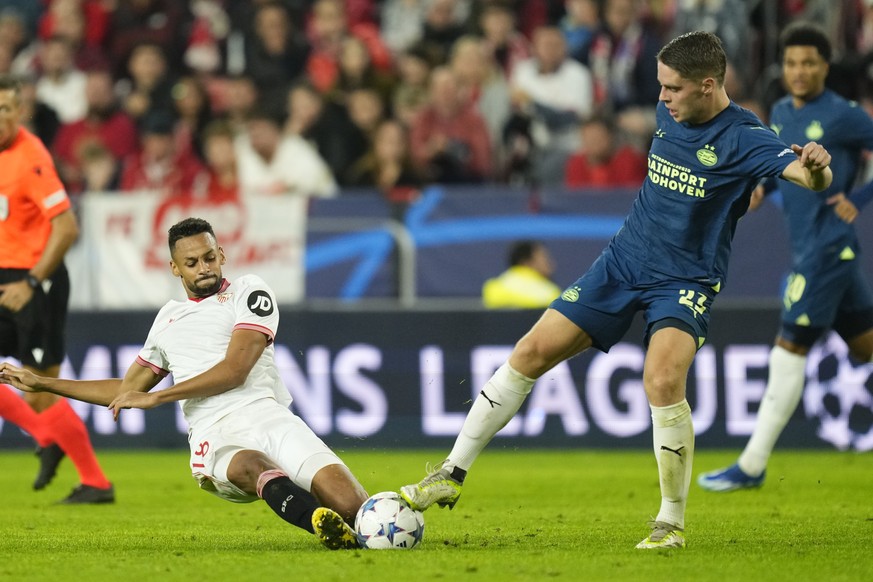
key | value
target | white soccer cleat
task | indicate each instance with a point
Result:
(438, 487)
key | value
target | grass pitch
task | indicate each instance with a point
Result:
(524, 515)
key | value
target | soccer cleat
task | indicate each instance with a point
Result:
(49, 459)
(86, 494)
(332, 530)
(442, 486)
(664, 535)
(729, 479)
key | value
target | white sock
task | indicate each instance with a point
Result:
(503, 395)
(785, 382)
(673, 438)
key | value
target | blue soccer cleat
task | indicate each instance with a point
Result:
(729, 479)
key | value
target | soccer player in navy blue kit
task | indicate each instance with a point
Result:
(669, 261)
(826, 288)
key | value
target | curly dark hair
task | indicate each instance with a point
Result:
(188, 227)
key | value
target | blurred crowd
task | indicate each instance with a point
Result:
(213, 98)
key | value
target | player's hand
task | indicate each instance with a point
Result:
(132, 399)
(14, 296)
(757, 198)
(812, 156)
(24, 380)
(843, 208)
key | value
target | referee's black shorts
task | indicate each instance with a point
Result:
(35, 335)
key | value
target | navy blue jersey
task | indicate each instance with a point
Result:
(844, 129)
(699, 183)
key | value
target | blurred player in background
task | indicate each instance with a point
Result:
(37, 227)
(245, 442)
(527, 283)
(669, 261)
(826, 288)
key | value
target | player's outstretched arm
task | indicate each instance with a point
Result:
(93, 391)
(811, 169)
(243, 351)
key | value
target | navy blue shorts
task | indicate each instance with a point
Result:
(832, 294)
(603, 304)
(35, 335)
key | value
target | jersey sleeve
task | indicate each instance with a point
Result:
(42, 183)
(762, 153)
(151, 356)
(255, 307)
(857, 127)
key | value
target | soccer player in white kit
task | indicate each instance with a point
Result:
(245, 442)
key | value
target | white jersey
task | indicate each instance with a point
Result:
(189, 337)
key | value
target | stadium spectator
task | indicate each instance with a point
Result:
(100, 169)
(411, 94)
(193, 112)
(38, 228)
(61, 85)
(328, 30)
(240, 96)
(555, 93)
(157, 166)
(104, 125)
(443, 25)
(356, 72)
(484, 87)
(276, 54)
(509, 47)
(656, 264)
(729, 19)
(40, 119)
(15, 37)
(87, 20)
(526, 283)
(220, 180)
(325, 125)
(827, 288)
(580, 25)
(600, 163)
(207, 38)
(157, 22)
(148, 85)
(83, 24)
(449, 139)
(621, 58)
(245, 442)
(402, 24)
(366, 111)
(387, 165)
(272, 162)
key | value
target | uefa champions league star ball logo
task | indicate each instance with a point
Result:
(839, 395)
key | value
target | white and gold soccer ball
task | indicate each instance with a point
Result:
(386, 522)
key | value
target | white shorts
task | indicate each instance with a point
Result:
(265, 426)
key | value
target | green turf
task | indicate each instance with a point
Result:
(524, 515)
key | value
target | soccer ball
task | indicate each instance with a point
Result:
(839, 395)
(386, 522)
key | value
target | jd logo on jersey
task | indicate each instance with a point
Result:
(259, 303)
